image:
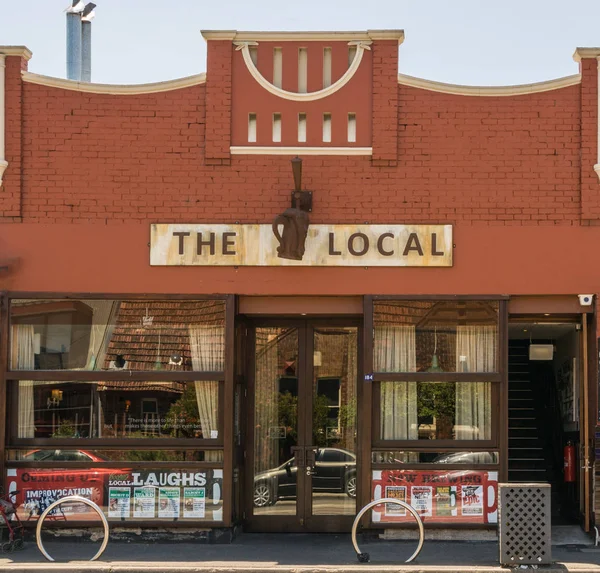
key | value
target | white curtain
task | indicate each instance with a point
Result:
(394, 351)
(207, 344)
(22, 358)
(475, 352)
(270, 344)
(103, 324)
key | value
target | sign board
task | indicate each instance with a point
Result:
(451, 496)
(325, 246)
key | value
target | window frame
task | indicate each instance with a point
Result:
(497, 380)
(13, 376)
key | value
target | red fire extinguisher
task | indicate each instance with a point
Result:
(569, 459)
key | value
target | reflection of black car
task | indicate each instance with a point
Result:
(334, 471)
(466, 458)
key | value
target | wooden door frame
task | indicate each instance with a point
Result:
(303, 521)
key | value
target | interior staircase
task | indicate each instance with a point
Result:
(530, 453)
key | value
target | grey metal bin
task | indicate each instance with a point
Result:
(524, 528)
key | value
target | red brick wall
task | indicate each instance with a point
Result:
(92, 157)
(469, 160)
(590, 186)
(385, 103)
(11, 189)
(218, 102)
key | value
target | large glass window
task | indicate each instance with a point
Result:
(436, 410)
(436, 366)
(442, 336)
(172, 335)
(117, 409)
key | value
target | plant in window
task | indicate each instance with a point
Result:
(182, 419)
(66, 429)
(437, 405)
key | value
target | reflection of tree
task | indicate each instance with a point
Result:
(438, 400)
(320, 420)
(182, 420)
(288, 415)
(66, 429)
(348, 415)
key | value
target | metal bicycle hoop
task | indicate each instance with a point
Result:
(364, 557)
(71, 498)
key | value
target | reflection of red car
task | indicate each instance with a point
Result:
(62, 456)
(39, 487)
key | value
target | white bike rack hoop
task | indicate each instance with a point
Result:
(365, 557)
(67, 499)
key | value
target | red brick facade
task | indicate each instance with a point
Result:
(512, 171)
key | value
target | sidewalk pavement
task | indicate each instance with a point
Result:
(285, 553)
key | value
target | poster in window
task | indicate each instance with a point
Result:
(116, 490)
(439, 496)
(144, 502)
(471, 500)
(119, 502)
(169, 502)
(421, 499)
(395, 492)
(194, 502)
(445, 500)
(36, 488)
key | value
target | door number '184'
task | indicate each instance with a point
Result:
(368, 377)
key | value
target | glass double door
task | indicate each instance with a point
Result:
(302, 455)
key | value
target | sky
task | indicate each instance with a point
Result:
(471, 42)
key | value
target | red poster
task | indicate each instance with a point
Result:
(36, 489)
(452, 496)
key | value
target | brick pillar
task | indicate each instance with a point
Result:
(590, 183)
(16, 58)
(385, 103)
(218, 102)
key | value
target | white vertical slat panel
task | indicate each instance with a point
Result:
(326, 128)
(326, 67)
(276, 128)
(302, 127)
(302, 70)
(251, 128)
(277, 67)
(351, 128)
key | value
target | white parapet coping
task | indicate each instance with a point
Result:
(489, 91)
(114, 89)
(270, 150)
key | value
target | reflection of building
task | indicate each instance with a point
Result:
(297, 390)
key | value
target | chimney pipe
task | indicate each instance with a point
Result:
(73, 46)
(86, 51)
(86, 41)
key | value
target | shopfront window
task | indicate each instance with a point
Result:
(443, 336)
(113, 335)
(436, 410)
(122, 402)
(436, 373)
(118, 409)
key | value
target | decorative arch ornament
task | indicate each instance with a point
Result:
(361, 46)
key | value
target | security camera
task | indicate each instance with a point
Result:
(585, 299)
